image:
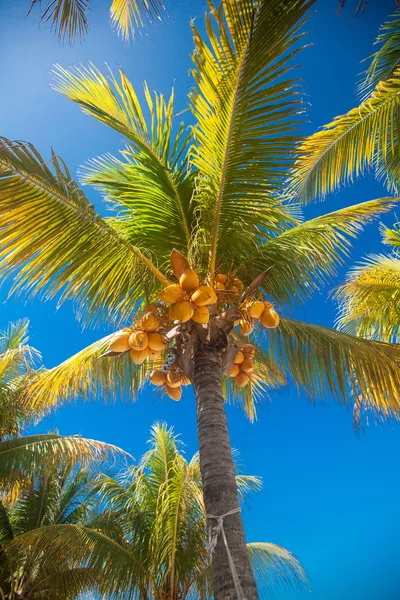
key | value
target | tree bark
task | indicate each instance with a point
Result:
(218, 476)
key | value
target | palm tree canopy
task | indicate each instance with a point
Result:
(215, 193)
(149, 536)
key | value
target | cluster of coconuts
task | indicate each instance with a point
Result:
(171, 381)
(188, 299)
(229, 284)
(258, 311)
(243, 366)
(143, 341)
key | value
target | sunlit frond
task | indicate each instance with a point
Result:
(320, 360)
(246, 109)
(385, 60)
(54, 241)
(275, 568)
(366, 137)
(68, 17)
(302, 259)
(391, 237)
(369, 300)
(129, 15)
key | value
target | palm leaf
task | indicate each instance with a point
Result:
(246, 109)
(365, 137)
(68, 17)
(128, 15)
(321, 360)
(56, 243)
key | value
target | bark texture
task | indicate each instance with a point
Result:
(218, 475)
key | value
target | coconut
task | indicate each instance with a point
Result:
(154, 354)
(246, 327)
(242, 379)
(138, 356)
(156, 341)
(247, 366)
(249, 352)
(150, 322)
(173, 379)
(138, 340)
(204, 295)
(256, 309)
(182, 311)
(270, 318)
(238, 284)
(201, 315)
(174, 393)
(219, 285)
(239, 358)
(120, 342)
(221, 278)
(158, 377)
(171, 294)
(268, 304)
(234, 371)
(189, 280)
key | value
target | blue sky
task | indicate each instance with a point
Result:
(329, 496)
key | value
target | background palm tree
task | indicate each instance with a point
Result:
(215, 194)
(147, 537)
(70, 18)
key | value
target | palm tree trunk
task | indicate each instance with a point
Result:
(218, 476)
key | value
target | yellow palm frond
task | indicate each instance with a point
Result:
(275, 568)
(53, 239)
(245, 108)
(128, 15)
(366, 137)
(369, 300)
(68, 17)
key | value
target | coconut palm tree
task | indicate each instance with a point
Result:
(206, 206)
(70, 17)
(148, 539)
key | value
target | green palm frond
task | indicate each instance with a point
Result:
(366, 137)
(274, 568)
(391, 237)
(320, 360)
(246, 109)
(303, 258)
(369, 300)
(385, 60)
(128, 15)
(68, 17)
(53, 239)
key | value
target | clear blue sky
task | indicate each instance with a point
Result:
(329, 496)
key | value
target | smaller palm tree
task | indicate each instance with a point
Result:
(148, 539)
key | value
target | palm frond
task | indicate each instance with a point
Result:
(53, 239)
(128, 15)
(68, 17)
(366, 137)
(303, 258)
(391, 237)
(275, 568)
(246, 108)
(384, 61)
(369, 300)
(320, 360)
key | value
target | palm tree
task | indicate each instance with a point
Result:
(70, 17)
(148, 539)
(212, 199)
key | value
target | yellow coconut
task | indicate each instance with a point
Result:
(150, 322)
(246, 327)
(233, 290)
(155, 341)
(204, 295)
(268, 304)
(120, 342)
(171, 294)
(173, 379)
(138, 356)
(219, 285)
(249, 352)
(154, 354)
(185, 380)
(174, 393)
(138, 340)
(242, 379)
(270, 318)
(184, 311)
(256, 309)
(234, 371)
(238, 284)
(158, 377)
(221, 278)
(247, 366)
(201, 315)
(189, 280)
(239, 358)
